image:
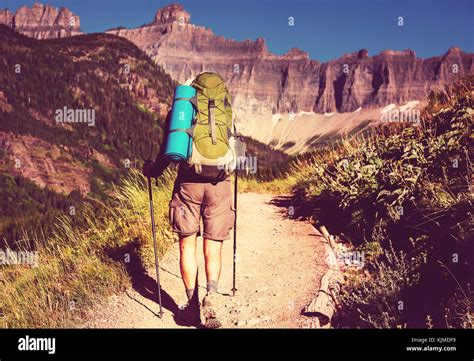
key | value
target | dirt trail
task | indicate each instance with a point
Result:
(279, 265)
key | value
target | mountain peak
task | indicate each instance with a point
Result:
(42, 21)
(172, 13)
(398, 53)
(360, 54)
(296, 53)
(454, 50)
(6, 17)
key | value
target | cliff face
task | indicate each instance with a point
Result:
(42, 21)
(261, 81)
(6, 17)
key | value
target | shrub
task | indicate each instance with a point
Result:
(406, 186)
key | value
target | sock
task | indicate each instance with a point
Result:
(190, 293)
(212, 287)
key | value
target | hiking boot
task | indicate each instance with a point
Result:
(209, 313)
(189, 312)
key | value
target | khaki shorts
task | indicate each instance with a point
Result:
(191, 201)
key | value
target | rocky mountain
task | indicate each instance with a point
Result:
(42, 21)
(289, 101)
(261, 81)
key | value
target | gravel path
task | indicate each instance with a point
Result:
(280, 262)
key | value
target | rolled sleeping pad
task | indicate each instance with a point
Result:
(178, 145)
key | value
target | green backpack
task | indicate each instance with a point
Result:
(214, 135)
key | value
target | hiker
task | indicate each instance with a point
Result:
(202, 188)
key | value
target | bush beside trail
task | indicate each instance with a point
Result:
(403, 197)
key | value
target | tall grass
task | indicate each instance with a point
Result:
(409, 186)
(76, 267)
(276, 186)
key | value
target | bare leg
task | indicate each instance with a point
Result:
(188, 261)
(213, 259)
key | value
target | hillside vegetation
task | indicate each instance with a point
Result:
(402, 197)
(82, 72)
(100, 72)
(87, 258)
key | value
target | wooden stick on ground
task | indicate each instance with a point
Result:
(325, 304)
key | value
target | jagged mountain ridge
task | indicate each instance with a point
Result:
(261, 81)
(290, 101)
(42, 21)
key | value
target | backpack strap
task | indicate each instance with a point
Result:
(186, 130)
(192, 100)
(222, 175)
(211, 106)
(198, 168)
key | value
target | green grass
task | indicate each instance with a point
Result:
(84, 261)
(276, 186)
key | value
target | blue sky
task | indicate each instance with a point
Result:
(326, 29)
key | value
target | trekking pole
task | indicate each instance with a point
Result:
(157, 265)
(235, 231)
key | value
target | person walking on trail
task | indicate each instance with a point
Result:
(202, 189)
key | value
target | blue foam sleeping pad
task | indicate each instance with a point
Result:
(179, 143)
